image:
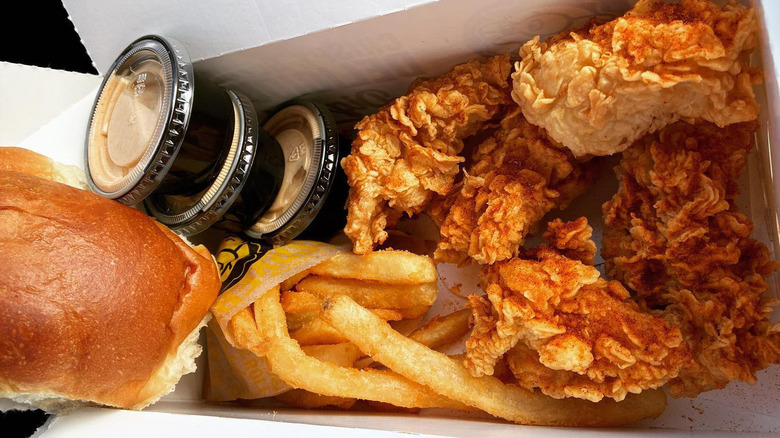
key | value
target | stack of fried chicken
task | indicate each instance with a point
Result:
(488, 152)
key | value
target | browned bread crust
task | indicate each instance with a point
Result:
(26, 161)
(33, 163)
(95, 297)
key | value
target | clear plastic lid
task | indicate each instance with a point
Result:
(297, 129)
(130, 117)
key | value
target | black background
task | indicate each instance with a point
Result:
(38, 33)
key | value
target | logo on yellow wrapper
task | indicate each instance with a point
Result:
(248, 270)
(234, 258)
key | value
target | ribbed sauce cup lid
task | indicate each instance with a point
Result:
(138, 119)
(295, 128)
(193, 213)
(310, 146)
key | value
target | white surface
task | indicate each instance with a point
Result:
(769, 11)
(358, 55)
(372, 49)
(431, 423)
(62, 138)
(30, 96)
(229, 421)
(114, 423)
(46, 110)
(212, 28)
(364, 65)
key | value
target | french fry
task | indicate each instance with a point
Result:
(291, 364)
(371, 294)
(245, 333)
(300, 398)
(292, 281)
(414, 311)
(309, 304)
(298, 320)
(395, 267)
(344, 354)
(450, 379)
(300, 302)
(388, 314)
(317, 332)
(443, 330)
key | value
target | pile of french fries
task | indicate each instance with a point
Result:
(395, 285)
(314, 328)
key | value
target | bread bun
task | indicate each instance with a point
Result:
(32, 163)
(98, 302)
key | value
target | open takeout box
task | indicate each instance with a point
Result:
(355, 56)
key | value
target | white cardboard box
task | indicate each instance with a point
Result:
(354, 55)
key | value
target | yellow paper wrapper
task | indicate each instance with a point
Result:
(248, 269)
(235, 373)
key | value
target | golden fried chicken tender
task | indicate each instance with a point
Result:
(572, 239)
(408, 152)
(598, 89)
(568, 331)
(675, 237)
(516, 178)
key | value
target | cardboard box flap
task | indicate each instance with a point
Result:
(360, 67)
(769, 12)
(355, 48)
(37, 95)
(211, 29)
(113, 422)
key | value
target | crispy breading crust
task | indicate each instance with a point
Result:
(698, 318)
(598, 89)
(572, 239)
(568, 331)
(675, 237)
(408, 152)
(518, 175)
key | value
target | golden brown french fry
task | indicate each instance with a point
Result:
(344, 354)
(300, 302)
(371, 294)
(245, 333)
(396, 267)
(309, 304)
(414, 311)
(443, 330)
(292, 281)
(388, 314)
(298, 320)
(300, 398)
(451, 379)
(317, 332)
(291, 364)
